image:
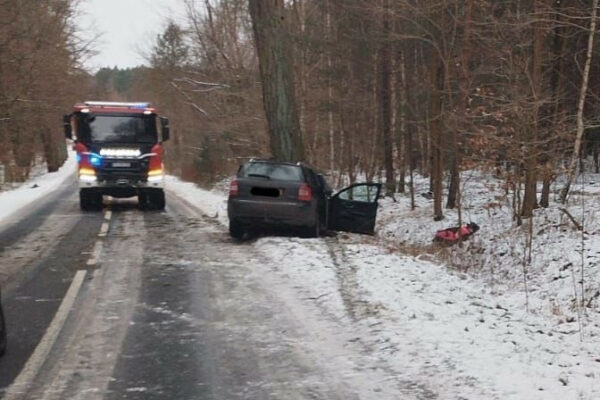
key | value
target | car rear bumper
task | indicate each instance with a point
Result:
(277, 213)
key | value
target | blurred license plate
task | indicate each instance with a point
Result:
(121, 164)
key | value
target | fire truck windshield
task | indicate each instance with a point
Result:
(117, 128)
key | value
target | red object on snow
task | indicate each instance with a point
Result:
(454, 234)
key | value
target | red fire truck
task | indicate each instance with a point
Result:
(119, 152)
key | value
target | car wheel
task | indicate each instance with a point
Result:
(317, 228)
(3, 339)
(235, 230)
(314, 231)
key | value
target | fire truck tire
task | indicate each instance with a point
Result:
(157, 198)
(89, 200)
(142, 200)
(151, 199)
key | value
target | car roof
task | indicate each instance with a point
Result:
(259, 160)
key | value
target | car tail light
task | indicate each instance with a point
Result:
(305, 193)
(234, 188)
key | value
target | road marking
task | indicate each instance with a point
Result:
(105, 224)
(19, 388)
(95, 254)
(103, 229)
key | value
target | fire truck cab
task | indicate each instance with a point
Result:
(119, 152)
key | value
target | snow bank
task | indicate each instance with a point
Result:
(213, 203)
(14, 200)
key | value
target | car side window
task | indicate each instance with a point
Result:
(364, 193)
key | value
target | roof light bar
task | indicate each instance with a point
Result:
(116, 104)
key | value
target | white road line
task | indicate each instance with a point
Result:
(103, 229)
(95, 254)
(18, 389)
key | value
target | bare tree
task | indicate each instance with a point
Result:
(385, 99)
(581, 104)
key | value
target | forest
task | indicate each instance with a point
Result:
(382, 90)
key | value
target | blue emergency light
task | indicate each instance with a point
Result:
(95, 160)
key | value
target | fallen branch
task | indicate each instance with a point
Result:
(577, 224)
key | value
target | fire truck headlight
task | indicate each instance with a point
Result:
(155, 178)
(87, 175)
(87, 178)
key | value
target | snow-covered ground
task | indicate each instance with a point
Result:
(457, 321)
(40, 185)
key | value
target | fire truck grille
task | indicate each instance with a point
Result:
(119, 170)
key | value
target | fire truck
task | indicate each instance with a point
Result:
(119, 152)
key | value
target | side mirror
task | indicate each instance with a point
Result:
(67, 126)
(166, 130)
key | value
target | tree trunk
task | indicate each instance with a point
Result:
(557, 84)
(277, 77)
(330, 90)
(436, 137)
(580, 106)
(385, 101)
(454, 188)
(531, 157)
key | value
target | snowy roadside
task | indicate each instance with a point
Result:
(14, 200)
(457, 335)
(213, 203)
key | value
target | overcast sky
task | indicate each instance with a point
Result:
(128, 28)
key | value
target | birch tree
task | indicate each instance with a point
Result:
(581, 105)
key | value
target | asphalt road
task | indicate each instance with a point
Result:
(40, 250)
(125, 304)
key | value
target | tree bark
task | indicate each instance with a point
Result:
(454, 187)
(330, 90)
(277, 75)
(531, 157)
(580, 106)
(436, 137)
(385, 101)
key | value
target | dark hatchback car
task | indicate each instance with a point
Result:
(269, 194)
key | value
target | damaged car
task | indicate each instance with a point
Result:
(266, 195)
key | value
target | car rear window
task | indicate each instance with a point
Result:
(272, 172)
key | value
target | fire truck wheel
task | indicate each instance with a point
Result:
(142, 200)
(89, 200)
(151, 199)
(157, 199)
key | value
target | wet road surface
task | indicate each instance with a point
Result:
(169, 308)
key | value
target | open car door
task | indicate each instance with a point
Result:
(354, 209)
